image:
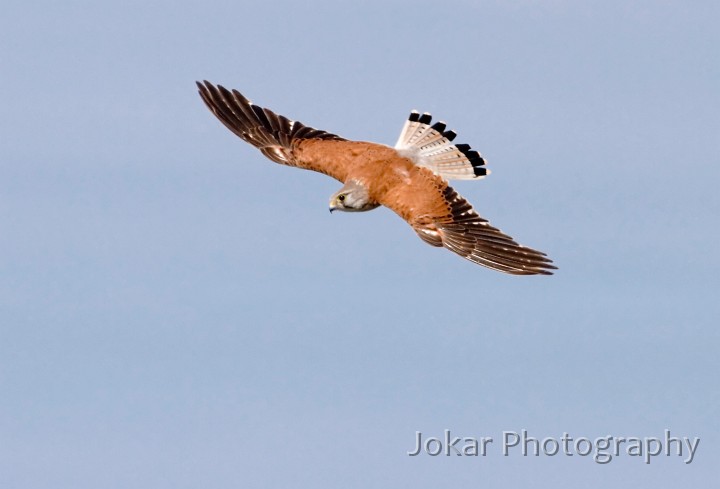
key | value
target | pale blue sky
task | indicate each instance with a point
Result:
(177, 311)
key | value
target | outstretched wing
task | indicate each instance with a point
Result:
(275, 135)
(441, 217)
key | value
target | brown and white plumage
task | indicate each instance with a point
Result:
(411, 178)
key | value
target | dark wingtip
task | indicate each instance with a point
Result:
(425, 118)
(205, 85)
(414, 116)
(547, 269)
(439, 126)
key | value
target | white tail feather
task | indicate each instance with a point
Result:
(432, 147)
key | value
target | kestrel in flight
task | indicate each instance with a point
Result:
(411, 178)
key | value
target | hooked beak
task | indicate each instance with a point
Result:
(332, 208)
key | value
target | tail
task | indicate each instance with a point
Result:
(432, 147)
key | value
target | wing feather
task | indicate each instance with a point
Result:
(441, 217)
(274, 135)
(472, 237)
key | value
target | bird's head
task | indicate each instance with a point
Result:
(353, 197)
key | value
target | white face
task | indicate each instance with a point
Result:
(347, 201)
(353, 197)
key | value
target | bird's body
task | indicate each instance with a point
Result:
(391, 180)
(411, 178)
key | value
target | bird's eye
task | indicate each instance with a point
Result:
(341, 197)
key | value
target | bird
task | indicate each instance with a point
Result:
(411, 178)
